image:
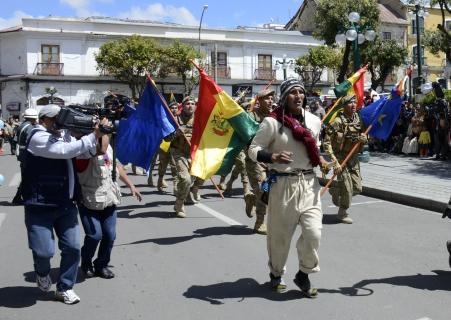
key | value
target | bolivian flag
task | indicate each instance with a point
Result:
(221, 130)
(353, 86)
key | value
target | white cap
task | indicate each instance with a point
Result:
(49, 111)
(30, 113)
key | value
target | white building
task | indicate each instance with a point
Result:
(59, 53)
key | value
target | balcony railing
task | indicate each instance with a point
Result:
(222, 72)
(264, 74)
(49, 69)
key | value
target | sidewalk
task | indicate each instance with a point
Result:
(421, 183)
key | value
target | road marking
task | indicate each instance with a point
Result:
(2, 217)
(424, 318)
(361, 203)
(15, 180)
(218, 215)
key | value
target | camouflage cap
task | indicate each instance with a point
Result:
(348, 99)
(188, 98)
(265, 92)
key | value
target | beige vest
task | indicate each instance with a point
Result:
(97, 187)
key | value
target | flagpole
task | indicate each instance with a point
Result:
(331, 109)
(345, 161)
(176, 123)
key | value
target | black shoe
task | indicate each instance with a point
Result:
(104, 273)
(87, 270)
(448, 246)
(303, 282)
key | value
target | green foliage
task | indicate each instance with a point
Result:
(383, 56)
(435, 41)
(178, 57)
(311, 65)
(129, 59)
(430, 97)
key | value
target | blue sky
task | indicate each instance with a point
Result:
(220, 13)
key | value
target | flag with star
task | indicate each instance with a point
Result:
(221, 129)
(383, 113)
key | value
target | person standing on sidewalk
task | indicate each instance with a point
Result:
(99, 197)
(49, 191)
(288, 142)
(341, 135)
(257, 171)
(447, 213)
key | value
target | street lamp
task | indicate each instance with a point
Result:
(419, 11)
(51, 91)
(200, 23)
(284, 64)
(354, 35)
(409, 66)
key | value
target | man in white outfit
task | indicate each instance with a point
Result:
(288, 140)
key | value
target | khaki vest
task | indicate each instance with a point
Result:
(97, 187)
(347, 134)
(185, 126)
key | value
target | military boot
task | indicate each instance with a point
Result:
(260, 226)
(228, 190)
(179, 209)
(344, 217)
(249, 199)
(221, 185)
(150, 180)
(161, 184)
(190, 199)
(195, 192)
(246, 188)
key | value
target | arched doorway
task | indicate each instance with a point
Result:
(46, 100)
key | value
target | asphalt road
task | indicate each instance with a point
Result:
(390, 264)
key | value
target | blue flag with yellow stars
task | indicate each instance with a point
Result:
(384, 113)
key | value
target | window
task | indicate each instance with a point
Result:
(265, 62)
(222, 59)
(50, 53)
(415, 56)
(414, 25)
(448, 25)
(386, 35)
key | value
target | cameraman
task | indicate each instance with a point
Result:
(49, 190)
(100, 196)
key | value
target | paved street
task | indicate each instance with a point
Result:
(390, 264)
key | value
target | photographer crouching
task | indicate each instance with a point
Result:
(49, 190)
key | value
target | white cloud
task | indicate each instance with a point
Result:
(81, 7)
(162, 13)
(15, 20)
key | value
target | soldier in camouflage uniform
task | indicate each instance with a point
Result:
(256, 172)
(180, 151)
(239, 168)
(341, 135)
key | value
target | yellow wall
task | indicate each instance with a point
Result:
(435, 63)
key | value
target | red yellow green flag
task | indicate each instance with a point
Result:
(221, 130)
(353, 86)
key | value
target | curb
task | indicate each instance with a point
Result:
(404, 199)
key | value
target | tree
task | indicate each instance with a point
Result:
(311, 66)
(178, 57)
(332, 18)
(383, 57)
(129, 59)
(440, 39)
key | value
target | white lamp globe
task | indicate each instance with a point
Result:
(360, 38)
(370, 35)
(421, 13)
(340, 38)
(351, 34)
(354, 17)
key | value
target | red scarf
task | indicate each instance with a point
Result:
(299, 133)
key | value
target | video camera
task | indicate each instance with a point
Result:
(83, 118)
(440, 106)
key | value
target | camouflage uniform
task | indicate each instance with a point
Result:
(180, 151)
(239, 168)
(341, 135)
(256, 173)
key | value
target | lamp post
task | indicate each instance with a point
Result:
(51, 91)
(354, 35)
(200, 23)
(409, 66)
(419, 11)
(284, 63)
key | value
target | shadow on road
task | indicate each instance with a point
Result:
(125, 214)
(240, 289)
(9, 204)
(440, 281)
(23, 297)
(30, 276)
(199, 233)
(152, 204)
(330, 219)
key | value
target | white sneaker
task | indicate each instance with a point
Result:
(44, 283)
(68, 296)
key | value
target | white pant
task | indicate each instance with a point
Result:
(294, 200)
